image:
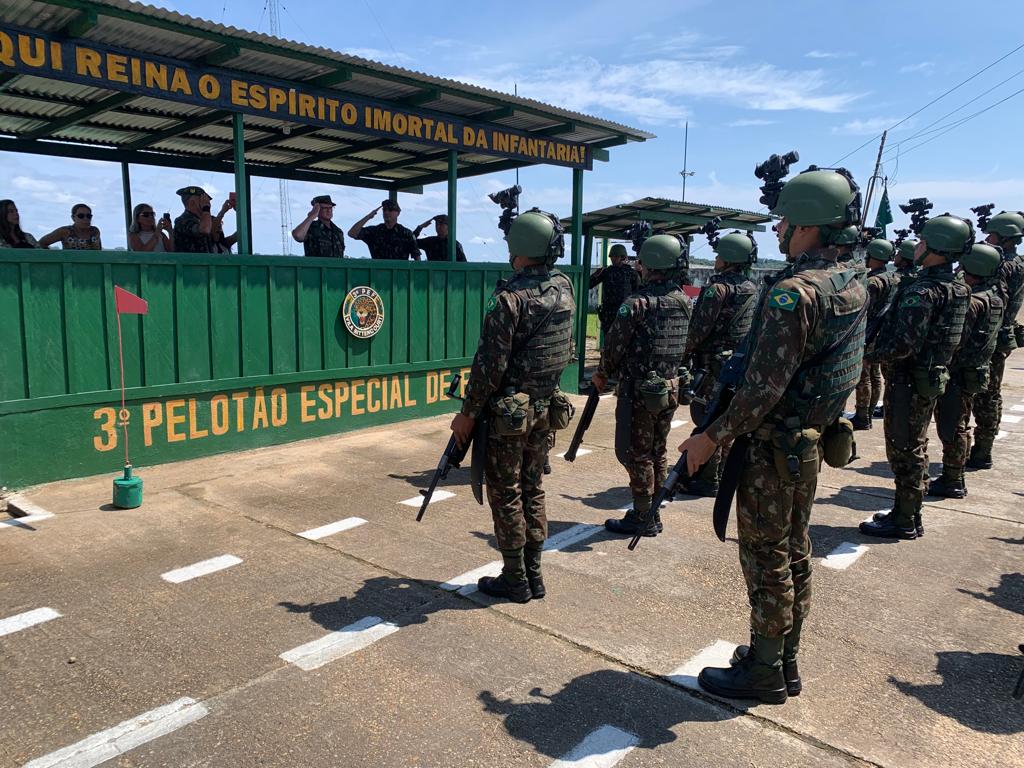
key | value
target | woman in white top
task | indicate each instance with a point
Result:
(145, 234)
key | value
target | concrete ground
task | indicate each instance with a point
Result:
(358, 647)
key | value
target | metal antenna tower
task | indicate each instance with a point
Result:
(686, 145)
(274, 13)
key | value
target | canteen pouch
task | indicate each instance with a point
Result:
(655, 393)
(1006, 339)
(974, 380)
(837, 443)
(796, 452)
(1018, 334)
(511, 415)
(930, 382)
(560, 411)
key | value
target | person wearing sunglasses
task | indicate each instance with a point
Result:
(147, 234)
(80, 236)
(11, 235)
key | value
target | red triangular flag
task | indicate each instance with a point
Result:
(128, 303)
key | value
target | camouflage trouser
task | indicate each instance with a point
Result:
(907, 417)
(513, 473)
(988, 406)
(952, 420)
(606, 318)
(772, 515)
(646, 461)
(869, 388)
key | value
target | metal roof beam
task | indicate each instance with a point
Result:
(424, 97)
(494, 114)
(104, 105)
(184, 126)
(687, 218)
(339, 75)
(475, 170)
(274, 138)
(222, 55)
(345, 152)
(81, 24)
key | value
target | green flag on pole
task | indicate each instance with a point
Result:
(884, 216)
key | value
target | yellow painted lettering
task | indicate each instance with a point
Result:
(349, 114)
(194, 433)
(152, 417)
(340, 396)
(396, 393)
(432, 395)
(324, 393)
(136, 67)
(291, 101)
(239, 398)
(551, 151)
(305, 403)
(307, 106)
(381, 120)
(209, 87)
(468, 136)
(32, 50)
(87, 62)
(108, 440)
(56, 56)
(444, 383)
(259, 410)
(180, 83)
(239, 93)
(276, 97)
(409, 400)
(219, 418)
(358, 396)
(416, 126)
(481, 139)
(174, 420)
(372, 401)
(439, 132)
(6, 49)
(332, 110)
(279, 406)
(401, 124)
(464, 380)
(117, 67)
(156, 75)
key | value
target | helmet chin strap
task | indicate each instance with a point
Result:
(784, 242)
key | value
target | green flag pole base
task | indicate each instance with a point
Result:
(127, 490)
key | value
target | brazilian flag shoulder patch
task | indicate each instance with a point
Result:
(491, 303)
(710, 291)
(624, 310)
(913, 300)
(780, 299)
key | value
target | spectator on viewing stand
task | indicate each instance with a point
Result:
(318, 233)
(435, 247)
(389, 240)
(80, 236)
(11, 235)
(146, 234)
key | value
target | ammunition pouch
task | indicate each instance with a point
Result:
(685, 385)
(511, 415)
(837, 443)
(1006, 339)
(1018, 334)
(560, 411)
(655, 393)
(930, 381)
(795, 451)
(974, 379)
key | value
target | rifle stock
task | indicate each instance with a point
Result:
(593, 397)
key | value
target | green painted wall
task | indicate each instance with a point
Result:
(224, 337)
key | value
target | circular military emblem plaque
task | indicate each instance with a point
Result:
(363, 312)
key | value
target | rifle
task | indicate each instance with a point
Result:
(453, 456)
(593, 397)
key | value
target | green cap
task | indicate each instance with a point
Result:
(1006, 224)
(618, 250)
(818, 197)
(948, 235)
(662, 252)
(322, 200)
(906, 249)
(186, 192)
(880, 250)
(533, 235)
(982, 261)
(735, 248)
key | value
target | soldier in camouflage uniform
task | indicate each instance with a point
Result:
(1004, 230)
(906, 273)
(721, 319)
(525, 344)
(389, 240)
(643, 350)
(804, 360)
(918, 341)
(882, 285)
(969, 371)
(318, 233)
(619, 279)
(194, 227)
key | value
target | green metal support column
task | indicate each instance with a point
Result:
(577, 214)
(126, 195)
(393, 195)
(248, 196)
(242, 217)
(574, 253)
(584, 301)
(604, 263)
(453, 198)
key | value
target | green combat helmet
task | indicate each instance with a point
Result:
(982, 261)
(618, 250)
(829, 199)
(906, 249)
(736, 248)
(663, 253)
(947, 235)
(1007, 225)
(881, 250)
(537, 235)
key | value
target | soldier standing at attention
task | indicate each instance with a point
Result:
(969, 371)
(525, 344)
(435, 247)
(194, 227)
(389, 240)
(720, 322)
(619, 279)
(1004, 230)
(644, 349)
(804, 360)
(918, 342)
(882, 284)
(318, 233)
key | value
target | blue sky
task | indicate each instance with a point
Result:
(752, 78)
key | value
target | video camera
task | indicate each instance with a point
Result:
(638, 233)
(771, 172)
(710, 229)
(508, 199)
(918, 209)
(901, 235)
(868, 234)
(984, 213)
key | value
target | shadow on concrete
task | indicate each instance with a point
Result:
(609, 500)
(825, 538)
(875, 469)
(410, 602)
(608, 699)
(859, 498)
(556, 527)
(1006, 541)
(1009, 594)
(456, 477)
(975, 690)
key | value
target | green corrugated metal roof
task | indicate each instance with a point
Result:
(667, 217)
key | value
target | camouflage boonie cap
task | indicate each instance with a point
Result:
(390, 205)
(322, 200)
(186, 192)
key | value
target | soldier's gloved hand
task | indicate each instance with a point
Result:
(462, 428)
(698, 449)
(599, 380)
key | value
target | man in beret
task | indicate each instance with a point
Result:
(192, 229)
(389, 240)
(318, 233)
(436, 246)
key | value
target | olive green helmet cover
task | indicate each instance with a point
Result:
(906, 249)
(982, 261)
(1007, 224)
(534, 235)
(662, 252)
(881, 250)
(736, 248)
(817, 196)
(948, 235)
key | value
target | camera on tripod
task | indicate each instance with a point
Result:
(771, 172)
(508, 199)
(710, 229)
(638, 233)
(901, 235)
(984, 213)
(918, 209)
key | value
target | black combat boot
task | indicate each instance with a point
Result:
(758, 675)
(896, 524)
(980, 458)
(861, 419)
(948, 485)
(630, 525)
(879, 411)
(531, 559)
(918, 520)
(511, 584)
(790, 648)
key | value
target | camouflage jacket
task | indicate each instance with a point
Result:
(882, 284)
(716, 311)
(396, 244)
(1011, 281)
(510, 310)
(981, 326)
(618, 281)
(435, 248)
(324, 239)
(188, 238)
(790, 327)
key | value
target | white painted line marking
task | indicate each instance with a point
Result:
(26, 620)
(126, 736)
(571, 536)
(333, 646)
(330, 529)
(715, 655)
(30, 508)
(1012, 419)
(843, 556)
(1002, 433)
(465, 583)
(417, 501)
(1017, 407)
(194, 571)
(678, 423)
(23, 522)
(605, 396)
(579, 452)
(602, 748)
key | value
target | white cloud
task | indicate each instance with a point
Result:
(827, 55)
(870, 126)
(748, 122)
(924, 67)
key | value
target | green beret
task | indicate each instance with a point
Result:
(186, 192)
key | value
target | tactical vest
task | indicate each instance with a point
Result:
(733, 322)
(977, 347)
(888, 284)
(946, 328)
(817, 392)
(1011, 278)
(659, 339)
(542, 343)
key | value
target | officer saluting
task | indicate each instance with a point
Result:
(803, 361)
(525, 344)
(644, 348)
